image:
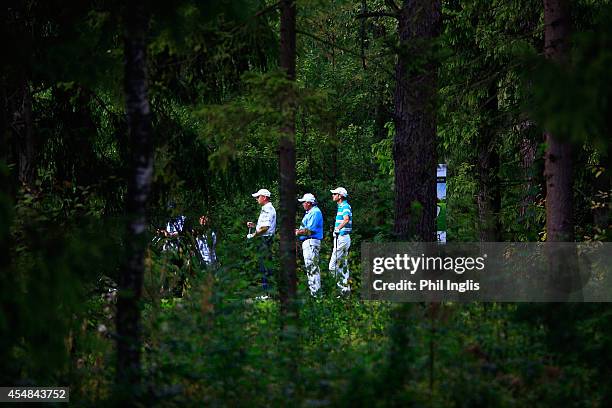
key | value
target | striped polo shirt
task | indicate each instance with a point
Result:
(344, 209)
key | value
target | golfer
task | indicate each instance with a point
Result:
(310, 234)
(206, 241)
(338, 264)
(264, 231)
(173, 230)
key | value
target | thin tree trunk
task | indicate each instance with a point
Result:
(19, 129)
(558, 156)
(287, 187)
(139, 186)
(23, 122)
(4, 123)
(19, 144)
(288, 280)
(414, 146)
(489, 194)
(362, 33)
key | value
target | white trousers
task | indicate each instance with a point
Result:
(338, 264)
(310, 250)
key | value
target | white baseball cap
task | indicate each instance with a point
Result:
(307, 198)
(262, 192)
(340, 190)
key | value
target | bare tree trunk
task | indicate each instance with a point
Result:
(25, 137)
(4, 123)
(414, 146)
(489, 194)
(139, 186)
(558, 156)
(414, 156)
(287, 187)
(362, 33)
(288, 280)
(562, 265)
(17, 127)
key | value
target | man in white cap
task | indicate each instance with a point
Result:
(338, 264)
(311, 234)
(265, 228)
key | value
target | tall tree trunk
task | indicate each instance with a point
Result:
(17, 127)
(4, 122)
(414, 146)
(139, 186)
(287, 275)
(414, 156)
(558, 156)
(563, 274)
(25, 137)
(288, 280)
(362, 33)
(489, 194)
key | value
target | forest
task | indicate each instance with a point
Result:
(139, 138)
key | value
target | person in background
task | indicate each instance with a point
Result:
(264, 231)
(206, 242)
(338, 264)
(174, 246)
(173, 229)
(310, 234)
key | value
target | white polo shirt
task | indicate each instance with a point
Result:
(267, 218)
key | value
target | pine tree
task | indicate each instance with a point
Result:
(139, 186)
(414, 145)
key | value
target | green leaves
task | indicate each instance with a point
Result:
(383, 152)
(579, 109)
(249, 126)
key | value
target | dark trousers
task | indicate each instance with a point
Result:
(265, 261)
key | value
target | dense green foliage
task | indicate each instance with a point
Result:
(215, 91)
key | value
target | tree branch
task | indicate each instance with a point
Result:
(268, 9)
(392, 5)
(376, 14)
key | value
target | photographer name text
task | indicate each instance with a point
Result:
(405, 263)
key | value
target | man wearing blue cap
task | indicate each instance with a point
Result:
(310, 234)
